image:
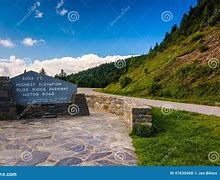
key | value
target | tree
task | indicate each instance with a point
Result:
(62, 75)
(42, 71)
(174, 28)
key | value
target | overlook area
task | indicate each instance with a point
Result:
(123, 83)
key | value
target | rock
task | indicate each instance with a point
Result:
(129, 157)
(3, 140)
(99, 155)
(94, 142)
(78, 148)
(69, 161)
(90, 147)
(40, 136)
(12, 146)
(57, 155)
(35, 158)
(83, 155)
(84, 136)
(122, 156)
(67, 146)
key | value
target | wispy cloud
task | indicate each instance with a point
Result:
(38, 3)
(60, 4)
(31, 42)
(7, 43)
(61, 11)
(53, 66)
(38, 14)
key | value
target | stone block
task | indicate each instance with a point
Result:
(145, 110)
(7, 106)
(80, 101)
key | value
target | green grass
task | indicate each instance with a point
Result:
(169, 76)
(182, 138)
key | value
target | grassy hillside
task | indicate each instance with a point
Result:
(180, 68)
(181, 71)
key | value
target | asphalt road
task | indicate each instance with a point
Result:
(202, 109)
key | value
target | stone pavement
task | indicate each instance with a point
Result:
(98, 140)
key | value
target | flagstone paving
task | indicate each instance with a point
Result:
(100, 139)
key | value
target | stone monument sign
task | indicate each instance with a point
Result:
(33, 95)
(33, 87)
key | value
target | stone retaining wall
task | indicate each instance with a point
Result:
(59, 109)
(7, 106)
(130, 111)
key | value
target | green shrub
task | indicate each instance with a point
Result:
(141, 130)
(153, 87)
(203, 48)
(124, 81)
(184, 70)
(146, 71)
(197, 37)
(157, 78)
(165, 93)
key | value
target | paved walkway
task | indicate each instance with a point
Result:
(202, 109)
(100, 139)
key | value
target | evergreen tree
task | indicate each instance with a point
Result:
(42, 71)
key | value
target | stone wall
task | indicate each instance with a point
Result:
(130, 111)
(7, 106)
(53, 110)
(42, 110)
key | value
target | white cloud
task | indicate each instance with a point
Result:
(7, 43)
(38, 3)
(53, 66)
(31, 42)
(38, 14)
(60, 4)
(62, 12)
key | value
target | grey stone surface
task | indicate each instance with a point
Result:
(35, 158)
(68, 141)
(98, 155)
(69, 161)
(78, 148)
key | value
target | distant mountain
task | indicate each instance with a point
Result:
(184, 66)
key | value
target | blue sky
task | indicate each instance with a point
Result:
(101, 27)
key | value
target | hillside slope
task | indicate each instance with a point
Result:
(183, 67)
(183, 71)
